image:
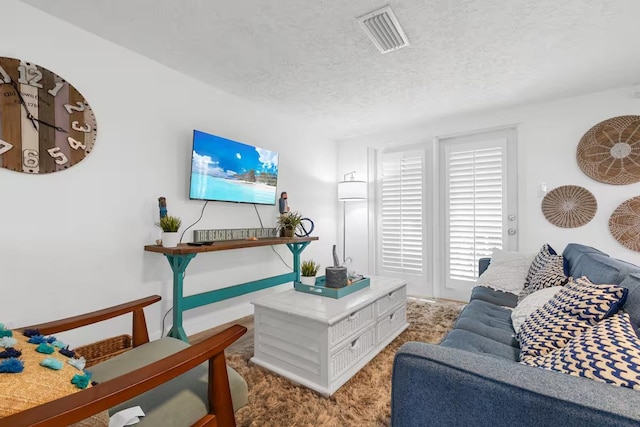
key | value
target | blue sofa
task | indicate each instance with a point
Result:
(473, 378)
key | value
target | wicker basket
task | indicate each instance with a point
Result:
(105, 349)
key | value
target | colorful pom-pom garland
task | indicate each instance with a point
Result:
(31, 332)
(78, 363)
(45, 348)
(7, 342)
(52, 363)
(81, 381)
(11, 366)
(66, 352)
(10, 352)
(37, 339)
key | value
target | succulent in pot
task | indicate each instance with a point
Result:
(309, 270)
(170, 226)
(289, 222)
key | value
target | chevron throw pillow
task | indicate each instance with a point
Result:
(574, 309)
(608, 352)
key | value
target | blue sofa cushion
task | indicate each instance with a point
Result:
(574, 309)
(488, 320)
(506, 299)
(632, 305)
(476, 343)
(572, 254)
(608, 352)
(601, 268)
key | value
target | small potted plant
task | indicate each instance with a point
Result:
(308, 269)
(288, 223)
(170, 226)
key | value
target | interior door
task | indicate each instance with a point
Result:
(401, 239)
(478, 205)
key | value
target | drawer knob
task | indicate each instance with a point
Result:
(352, 317)
(392, 316)
(355, 344)
(390, 295)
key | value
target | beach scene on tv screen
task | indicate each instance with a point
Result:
(231, 171)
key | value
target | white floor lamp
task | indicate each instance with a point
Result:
(349, 191)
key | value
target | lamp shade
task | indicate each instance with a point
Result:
(349, 191)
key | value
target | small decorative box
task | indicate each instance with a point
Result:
(321, 289)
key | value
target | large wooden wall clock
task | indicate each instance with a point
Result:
(46, 125)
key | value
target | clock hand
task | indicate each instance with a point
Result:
(58, 128)
(24, 104)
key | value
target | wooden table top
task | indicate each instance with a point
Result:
(223, 245)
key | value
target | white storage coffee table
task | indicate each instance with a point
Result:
(321, 342)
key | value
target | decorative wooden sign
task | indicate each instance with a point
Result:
(46, 125)
(222, 234)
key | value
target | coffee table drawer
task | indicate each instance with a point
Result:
(391, 323)
(392, 299)
(348, 355)
(351, 324)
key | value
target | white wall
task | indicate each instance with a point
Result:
(73, 241)
(548, 135)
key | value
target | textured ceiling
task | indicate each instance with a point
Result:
(311, 59)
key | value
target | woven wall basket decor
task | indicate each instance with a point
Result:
(624, 224)
(610, 151)
(569, 206)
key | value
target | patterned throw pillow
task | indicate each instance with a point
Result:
(37, 384)
(574, 309)
(552, 274)
(539, 262)
(607, 352)
(507, 271)
(530, 304)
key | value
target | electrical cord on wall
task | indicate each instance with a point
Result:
(258, 213)
(272, 248)
(184, 273)
(163, 319)
(197, 221)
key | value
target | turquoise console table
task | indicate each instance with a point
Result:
(180, 256)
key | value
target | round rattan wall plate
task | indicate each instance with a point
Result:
(610, 151)
(569, 206)
(624, 224)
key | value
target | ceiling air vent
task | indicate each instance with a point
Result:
(383, 28)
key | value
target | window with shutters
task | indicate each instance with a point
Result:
(400, 212)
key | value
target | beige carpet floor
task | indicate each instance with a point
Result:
(365, 400)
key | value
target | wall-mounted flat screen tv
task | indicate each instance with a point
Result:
(230, 171)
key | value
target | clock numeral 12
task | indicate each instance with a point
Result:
(57, 156)
(35, 74)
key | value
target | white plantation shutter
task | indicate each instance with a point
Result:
(401, 212)
(475, 208)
